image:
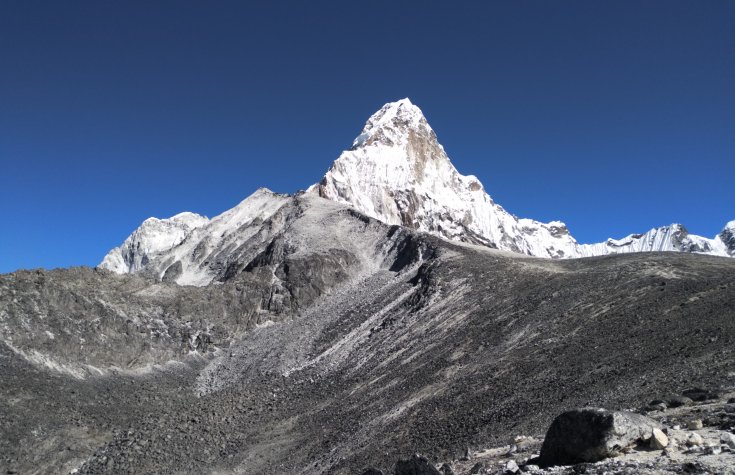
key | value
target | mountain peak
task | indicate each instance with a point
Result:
(392, 123)
(396, 172)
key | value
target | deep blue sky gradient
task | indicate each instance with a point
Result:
(611, 116)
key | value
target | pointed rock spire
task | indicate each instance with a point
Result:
(392, 124)
(397, 172)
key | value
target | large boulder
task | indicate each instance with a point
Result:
(416, 465)
(590, 435)
(701, 395)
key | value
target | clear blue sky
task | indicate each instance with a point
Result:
(612, 116)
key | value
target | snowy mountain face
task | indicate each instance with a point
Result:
(727, 238)
(666, 238)
(197, 250)
(153, 237)
(275, 238)
(396, 172)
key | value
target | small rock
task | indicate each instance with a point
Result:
(728, 439)
(659, 440)
(731, 400)
(477, 468)
(695, 424)
(530, 468)
(694, 440)
(713, 450)
(657, 407)
(513, 449)
(511, 467)
(446, 469)
(677, 427)
(693, 467)
(729, 408)
(678, 401)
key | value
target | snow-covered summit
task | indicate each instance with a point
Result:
(387, 124)
(151, 238)
(397, 172)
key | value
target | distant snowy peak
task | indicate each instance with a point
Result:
(397, 172)
(666, 238)
(191, 249)
(151, 238)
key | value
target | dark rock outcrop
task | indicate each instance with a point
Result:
(700, 394)
(372, 471)
(416, 465)
(590, 435)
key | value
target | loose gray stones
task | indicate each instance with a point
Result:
(590, 435)
(446, 469)
(713, 450)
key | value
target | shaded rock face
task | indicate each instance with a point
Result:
(85, 321)
(727, 236)
(701, 394)
(372, 471)
(590, 435)
(416, 465)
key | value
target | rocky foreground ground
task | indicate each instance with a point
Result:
(687, 437)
